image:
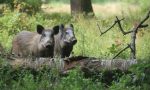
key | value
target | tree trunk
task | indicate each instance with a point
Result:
(81, 7)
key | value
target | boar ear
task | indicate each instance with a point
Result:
(40, 29)
(71, 25)
(56, 29)
(61, 26)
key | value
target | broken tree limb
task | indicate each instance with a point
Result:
(133, 45)
(128, 46)
(133, 32)
(115, 22)
(143, 26)
(121, 29)
(118, 21)
(133, 35)
(140, 25)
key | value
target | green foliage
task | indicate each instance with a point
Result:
(29, 79)
(137, 79)
(13, 22)
(90, 43)
(78, 82)
(18, 78)
(28, 6)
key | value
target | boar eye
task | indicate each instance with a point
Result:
(66, 32)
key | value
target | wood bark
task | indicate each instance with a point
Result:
(81, 7)
(133, 45)
(85, 63)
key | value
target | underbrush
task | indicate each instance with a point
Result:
(21, 78)
(89, 43)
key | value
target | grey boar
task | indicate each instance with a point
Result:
(64, 41)
(37, 44)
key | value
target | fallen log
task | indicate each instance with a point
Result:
(85, 63)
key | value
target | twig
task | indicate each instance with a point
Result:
(143, 26)
(140, 25)
(121, 51)
(119, 24)
(115, 22)
(99, 28)
(134, 30)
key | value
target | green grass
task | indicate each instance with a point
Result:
(90, 43)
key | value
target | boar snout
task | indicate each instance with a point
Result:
(74, 41)
(49, 45)
(71, 41)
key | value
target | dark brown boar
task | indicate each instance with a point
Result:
(38, 44)
(64, 41)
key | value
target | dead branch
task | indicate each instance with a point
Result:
(133, 32)
(128, 46)
(133, 35)
(115, 22)
(133, 45)
(141, 24)
(121, 29)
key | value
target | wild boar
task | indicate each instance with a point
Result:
(64, 41)
(37, 44)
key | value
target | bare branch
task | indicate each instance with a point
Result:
(121, 51)
(133, 35)
(99, 29)
(109, 28)
(115, 22)
(141, 24)
(119, 24)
